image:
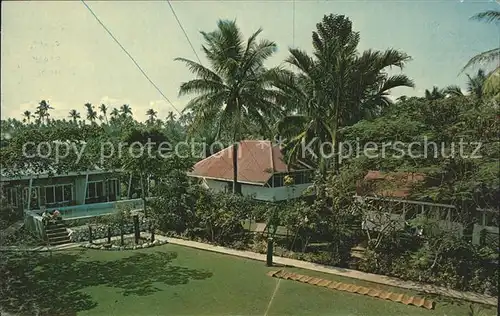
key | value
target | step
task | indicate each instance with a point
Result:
(55, 225)
(55, 239)
(54, 228)
(58, 231)
(56, 234)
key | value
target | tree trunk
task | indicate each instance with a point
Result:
(109, 234)
(143, 196)
(236, 189)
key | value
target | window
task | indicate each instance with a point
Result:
(91, 190)
(99, 189)
(49, 195)
(12, 196)
(278, 180)
(68, 193)
(490, 218)
(34, 202)
(95, 189)
(58, 193)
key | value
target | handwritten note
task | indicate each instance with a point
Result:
(46, 57)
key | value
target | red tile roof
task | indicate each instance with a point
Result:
(257, 161)
(394, 184)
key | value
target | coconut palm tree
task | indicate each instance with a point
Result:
(434, 94)
(151, 115)
(27, 116)
(170, 116)
(91, 114)
(475, 85)
(126, 110)
(235, 90)
(104, 110)
(115, 113)
(334, 87)
(42, 111)
(492, 55)
(74, 115)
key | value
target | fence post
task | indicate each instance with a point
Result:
(136, 228)
(269, 252)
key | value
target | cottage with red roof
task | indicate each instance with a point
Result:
(261, 172)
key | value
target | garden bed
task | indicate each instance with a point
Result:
(128, 244)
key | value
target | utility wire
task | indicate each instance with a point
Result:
(130, 56)
(293, 25)
(184, 31)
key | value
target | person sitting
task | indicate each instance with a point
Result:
(46, 217)
(56, 215)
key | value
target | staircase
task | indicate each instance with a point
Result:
(56, 233)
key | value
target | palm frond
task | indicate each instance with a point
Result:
(487, 16)
(484, 57)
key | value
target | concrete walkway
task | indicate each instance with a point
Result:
(375, 278)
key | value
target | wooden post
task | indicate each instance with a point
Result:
(109, 234)
(90, 234)
(86, 187)
(136, 228)
(152, 230)
(269, 262)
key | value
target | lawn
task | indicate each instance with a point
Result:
(174, 280)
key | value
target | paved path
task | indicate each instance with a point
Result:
(375, 278)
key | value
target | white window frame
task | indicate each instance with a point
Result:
(54, 192)
(88, 187)
(10, 196)
(28, 198)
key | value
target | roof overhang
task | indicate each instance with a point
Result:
(47, 175)
(226, 180)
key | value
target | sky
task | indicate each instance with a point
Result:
(57, 51)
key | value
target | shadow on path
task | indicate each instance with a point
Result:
(38, 284)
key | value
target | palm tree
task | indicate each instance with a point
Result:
(91, 114)
(27, 116)
(115, 113)
(235, 90)
(74, 115)
(170, 116)
(43, 111)
(125, 110)
(104, 109)
(475, 85)
(492, 54)
(335, 87)
(434, 94)
(151, 115)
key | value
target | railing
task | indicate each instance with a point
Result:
(34, 223)
(94, 209)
